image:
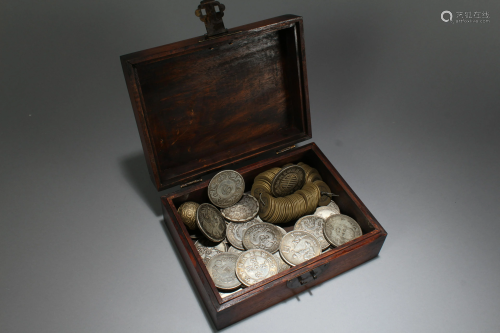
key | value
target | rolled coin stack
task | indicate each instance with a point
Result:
(252, 250)
(311, 173)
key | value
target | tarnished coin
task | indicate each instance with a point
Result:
(282, 266)
(324, 200)
(325, 212)
(235, 232)
(229, 293)
(207, 253)
(243, 211)
(208, 243)
(234, 250)
(226, 188)
(314, 225)
(334, 206)
(340, 229)
(283, 231)
(187, 211)
(262, 236)
(299, 246)
(288, 180)
(222, 269)
(210, 222)
(254, 266)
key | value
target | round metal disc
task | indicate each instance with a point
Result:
(222, 269)
(340, 229)
(314, 225)
(299, 246)
(226, 188)
(262, 236)
(187, 211)
(325, 212)
(255, 265)
(235, 232)
(210, 222)
(244, 210)
(288, 180)
(207, 253)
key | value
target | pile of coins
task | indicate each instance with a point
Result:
(238, 241)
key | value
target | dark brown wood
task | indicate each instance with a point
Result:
(202, 105)
(262, 295)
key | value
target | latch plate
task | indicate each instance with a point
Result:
(304, 279)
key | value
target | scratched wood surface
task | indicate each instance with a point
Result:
(202, 105)
(264, 294)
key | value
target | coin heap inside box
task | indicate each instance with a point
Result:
(237, 235)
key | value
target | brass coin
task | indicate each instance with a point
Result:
(210, 222)
(315, 226)
(226, 188)
(340, 229)
(255, 265)
(299, 246)
(262, 236)
(266, 206)
(312, 177)
(187, 211)
(243, 211)
(288, 180)
(222, 269)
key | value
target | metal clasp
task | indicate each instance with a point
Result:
(285, 149)
(191, 183)
(306, 278)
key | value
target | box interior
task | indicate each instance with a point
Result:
(345, 203)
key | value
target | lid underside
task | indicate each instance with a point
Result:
(213, 103)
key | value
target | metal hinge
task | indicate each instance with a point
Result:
(191, 183)
(285, 149)
(303, 279)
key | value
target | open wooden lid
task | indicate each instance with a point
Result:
(206, 102)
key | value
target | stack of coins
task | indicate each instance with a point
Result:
(311, 173)
(262, 183)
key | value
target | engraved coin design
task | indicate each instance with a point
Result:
(334, 206)
(234, 250)
(288, 180)
(314, 225)
(299, 246)
(204, 242)
(210, 222)
(325, 212)
(235, 232)
(207, 253)
(222, 269)
(340, 229)
(226, 188)
(262, 236)
(187, 211)
(255, 265)
(244, 210)
(282, 266)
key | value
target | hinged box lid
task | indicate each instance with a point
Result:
(206, 102)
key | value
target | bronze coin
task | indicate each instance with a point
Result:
(288, 180)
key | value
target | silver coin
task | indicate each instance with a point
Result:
(288, 180)
(299, 246)
(210, 222)
(254, 266)
(282, 266)
(262, 236)
(258, 218)
(314, 225)
(204, 242)
(235, 232)
(328, 249)
(243, 211)
(325, 212)
(207, 253)
(226, 188)
(340, 229)
(229, 293)
(234, 250)
(335, 207)
(283, 231)
(222, 269)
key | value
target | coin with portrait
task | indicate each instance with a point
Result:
(340, 229)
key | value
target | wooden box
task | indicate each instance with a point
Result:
(237, 100)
